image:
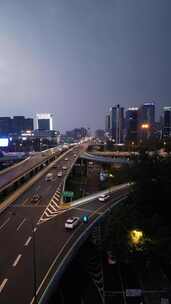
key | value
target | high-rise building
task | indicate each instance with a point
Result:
(44, 121)
(131, 124)
(107, 123)
(147, 120)
(16, 125)
(5, 125)
(167, 122)
(117, 123)
(77, 133)
(147, 113)
(28, 124)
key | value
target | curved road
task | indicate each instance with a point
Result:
(53, 243)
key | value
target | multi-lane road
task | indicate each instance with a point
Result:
(34, 242)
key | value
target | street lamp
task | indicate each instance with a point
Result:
(136, 237)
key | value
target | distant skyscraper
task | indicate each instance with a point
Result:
(20, 123)
(147, 120)
(107, 123)
(131, 124)
(44, 121)
(167, 122)
(147, 113)
(28, 124)
(5, 125)
(117, 123)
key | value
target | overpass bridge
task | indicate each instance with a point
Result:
(105, 159)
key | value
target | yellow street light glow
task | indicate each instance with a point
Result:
(145, 126)
(136, 236)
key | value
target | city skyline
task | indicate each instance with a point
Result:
(77, 60)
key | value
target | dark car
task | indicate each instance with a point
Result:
(35, 198)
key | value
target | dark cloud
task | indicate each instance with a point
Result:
(76, 58)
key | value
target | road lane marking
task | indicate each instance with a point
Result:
(55, 199)
(28, 241)
(3, 225)
(18, 228)
(52, 207)
(72, 246)
(54, 203)
(3, 284)
(118, 200)
(25, 201)
(17, 260)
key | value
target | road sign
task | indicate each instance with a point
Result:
(69, 194)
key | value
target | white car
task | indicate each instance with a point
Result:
(72, 222)
(103, 197)
(66, 159)
(59, 174)
(49, 177)
(64, 168)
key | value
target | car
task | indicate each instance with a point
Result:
(72, 222)
(55, 166)
(64, 167)
(59, 174)
(49, 177)
(103, 197)
(111, 258)
(35, 198)
(66, 159)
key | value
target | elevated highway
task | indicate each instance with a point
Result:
(105, 159)
(35, 247)
(26, 168)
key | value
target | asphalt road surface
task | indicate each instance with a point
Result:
(18, 276)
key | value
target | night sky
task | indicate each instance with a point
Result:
(76, 58)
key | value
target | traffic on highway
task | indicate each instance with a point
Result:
(38, 233)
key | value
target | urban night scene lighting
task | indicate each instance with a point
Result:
(85, 152)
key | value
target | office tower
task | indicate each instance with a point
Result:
(28, 124)
(147, 113)
(117, 123)
(167, 122)
(44, 121)
(131, 124)
(147, 120)
(5, 125)
(107, 123)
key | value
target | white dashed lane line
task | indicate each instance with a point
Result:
(28, 241)
(17, 260)
(3, 284)
(18, 228)
(4, 224)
